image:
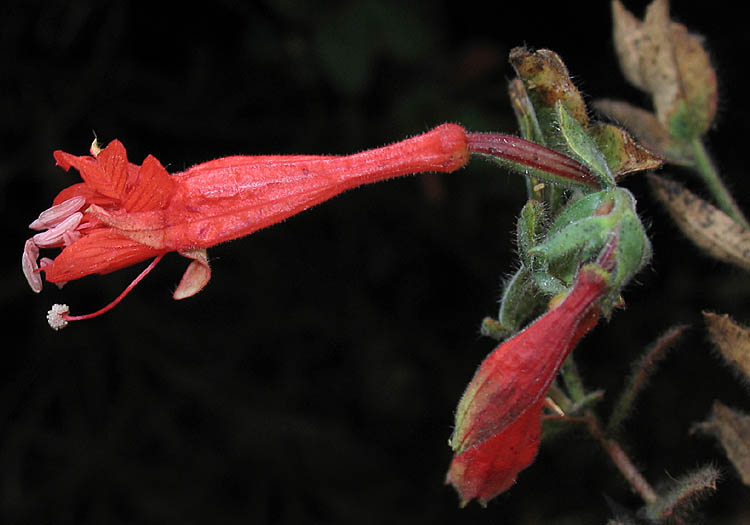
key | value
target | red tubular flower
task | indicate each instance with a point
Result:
(498, 421)
(123, 213)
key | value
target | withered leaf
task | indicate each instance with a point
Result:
(732, 428)
(547, 80)
(662, 58)
(647, 129)
(708, 227)
(732, 340)
(623, 154)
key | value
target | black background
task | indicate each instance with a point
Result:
(314, 380)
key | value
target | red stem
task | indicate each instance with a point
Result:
(621, 460)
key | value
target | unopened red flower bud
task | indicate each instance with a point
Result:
(498, 421)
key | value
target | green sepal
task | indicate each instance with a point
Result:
(582, 208)
(577, 235)
(578, 242)
(583, 147)
(521, 300)
(633, 247)
(583, 231)
(549, 284)
(529, 229)
(495, 329)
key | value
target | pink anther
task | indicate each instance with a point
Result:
(56, 214)
(30, 267)
(54, 236)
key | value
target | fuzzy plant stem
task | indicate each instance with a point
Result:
(621, 460)
(710, 175)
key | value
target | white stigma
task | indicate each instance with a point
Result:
(55, 316)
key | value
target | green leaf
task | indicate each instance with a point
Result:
(583, 146)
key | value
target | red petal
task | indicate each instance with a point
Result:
(83, 190)
(235, 196)
(106, 174)
(491, 467)
(113, 160)
(101, 251)
(152, 188)
(519, 371)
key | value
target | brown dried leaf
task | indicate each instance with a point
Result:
(624, 155)
(626, 30)
(662, 58)
(547, 80)
(708, 227)
(732, 340)
(732, 428)
(647, 129)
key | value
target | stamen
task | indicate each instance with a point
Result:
(46, 261)
(30, 267)
(550, 403)
(56, 214)
(58, 316)
(54, 236)
(70, 237)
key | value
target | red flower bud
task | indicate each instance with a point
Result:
(498, 421)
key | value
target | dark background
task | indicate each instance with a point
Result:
(314, 380)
